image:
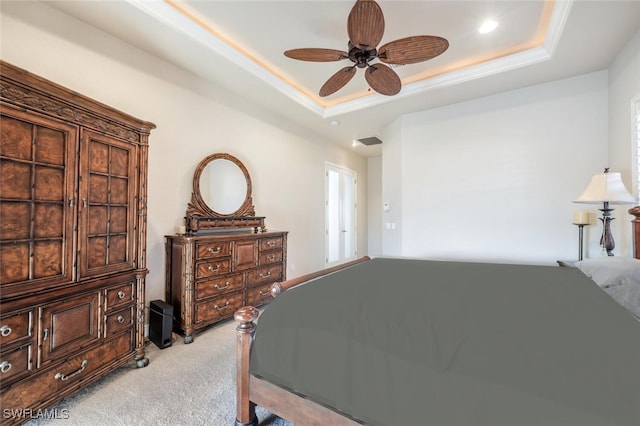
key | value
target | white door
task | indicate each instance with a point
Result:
(340, 214)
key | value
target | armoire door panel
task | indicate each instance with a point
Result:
(49, 184)
(16, 179)
(47, 258)
(120, 162)
(98, 189)
(37, 188)
(68, 325)
(117, 249)
(15, 263)
(97, 252)
(49, 221)
(51, 147)
(17, 136)
(118, 222)
(108, 207)
(98, 220)
(119, 190)
(15, 223)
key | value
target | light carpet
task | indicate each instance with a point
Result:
(190, 384)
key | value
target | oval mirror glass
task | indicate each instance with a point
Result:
(223, 186)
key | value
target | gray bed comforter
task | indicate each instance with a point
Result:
(414, 342)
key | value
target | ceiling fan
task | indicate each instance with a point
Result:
(365, 27)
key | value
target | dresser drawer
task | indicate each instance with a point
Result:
(269, 257)
(270, 243)
(264, 274)
(15, 327)
(118, 321)
(55, 381)
(220, 308)
(212, 268)
(206, 250)
(218, 286)
(260, 295)
(119, 296)
(15, 362)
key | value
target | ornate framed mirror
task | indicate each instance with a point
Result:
(221, 197)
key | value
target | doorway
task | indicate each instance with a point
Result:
(340, 214)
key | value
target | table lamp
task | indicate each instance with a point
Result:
(606, 188)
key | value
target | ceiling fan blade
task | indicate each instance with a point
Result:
(337, 81)
(383, 79)
(365, 25)
(316, 55)
(411, 50)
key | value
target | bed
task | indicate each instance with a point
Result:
(452, 343)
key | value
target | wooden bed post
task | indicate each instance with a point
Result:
(635, 211)
(245, 409)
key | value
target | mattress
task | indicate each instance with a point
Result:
(414, 342)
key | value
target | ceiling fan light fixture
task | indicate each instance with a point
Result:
(487, 26)
(365, 27)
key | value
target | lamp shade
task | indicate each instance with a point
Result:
(606, 187)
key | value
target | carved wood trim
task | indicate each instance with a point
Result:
(198, 207)
(19, 87)
(200, 216)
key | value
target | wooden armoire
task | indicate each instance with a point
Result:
(73, 195)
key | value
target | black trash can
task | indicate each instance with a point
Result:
(160, 323)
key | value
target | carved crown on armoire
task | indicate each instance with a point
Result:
(73, 207)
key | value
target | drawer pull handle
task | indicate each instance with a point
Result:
(265, 276)
(121, 294)
(216, 251)
(210, 268)
(271, 258)
(271, 243)
(5, 366)
(64, 377)
(5, 330)
(45, 334)
(264, 292)
(120, 319)
(222, 308)
(226, 285)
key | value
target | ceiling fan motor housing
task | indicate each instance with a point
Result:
(361, 57)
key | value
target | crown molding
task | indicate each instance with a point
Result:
(177, 15)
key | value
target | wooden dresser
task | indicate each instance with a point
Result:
(73, 185)
(210, 276)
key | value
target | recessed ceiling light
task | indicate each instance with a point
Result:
(487, 27)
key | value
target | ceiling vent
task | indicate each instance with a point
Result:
(370, 141)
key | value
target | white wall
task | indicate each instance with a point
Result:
(392, 188)
(287, 171)
(624, 85)
(374, 200)
(493, 179)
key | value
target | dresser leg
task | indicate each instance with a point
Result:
(142, 362)
(188, 338)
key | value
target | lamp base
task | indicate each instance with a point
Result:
(580, 239)
(606, 240)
